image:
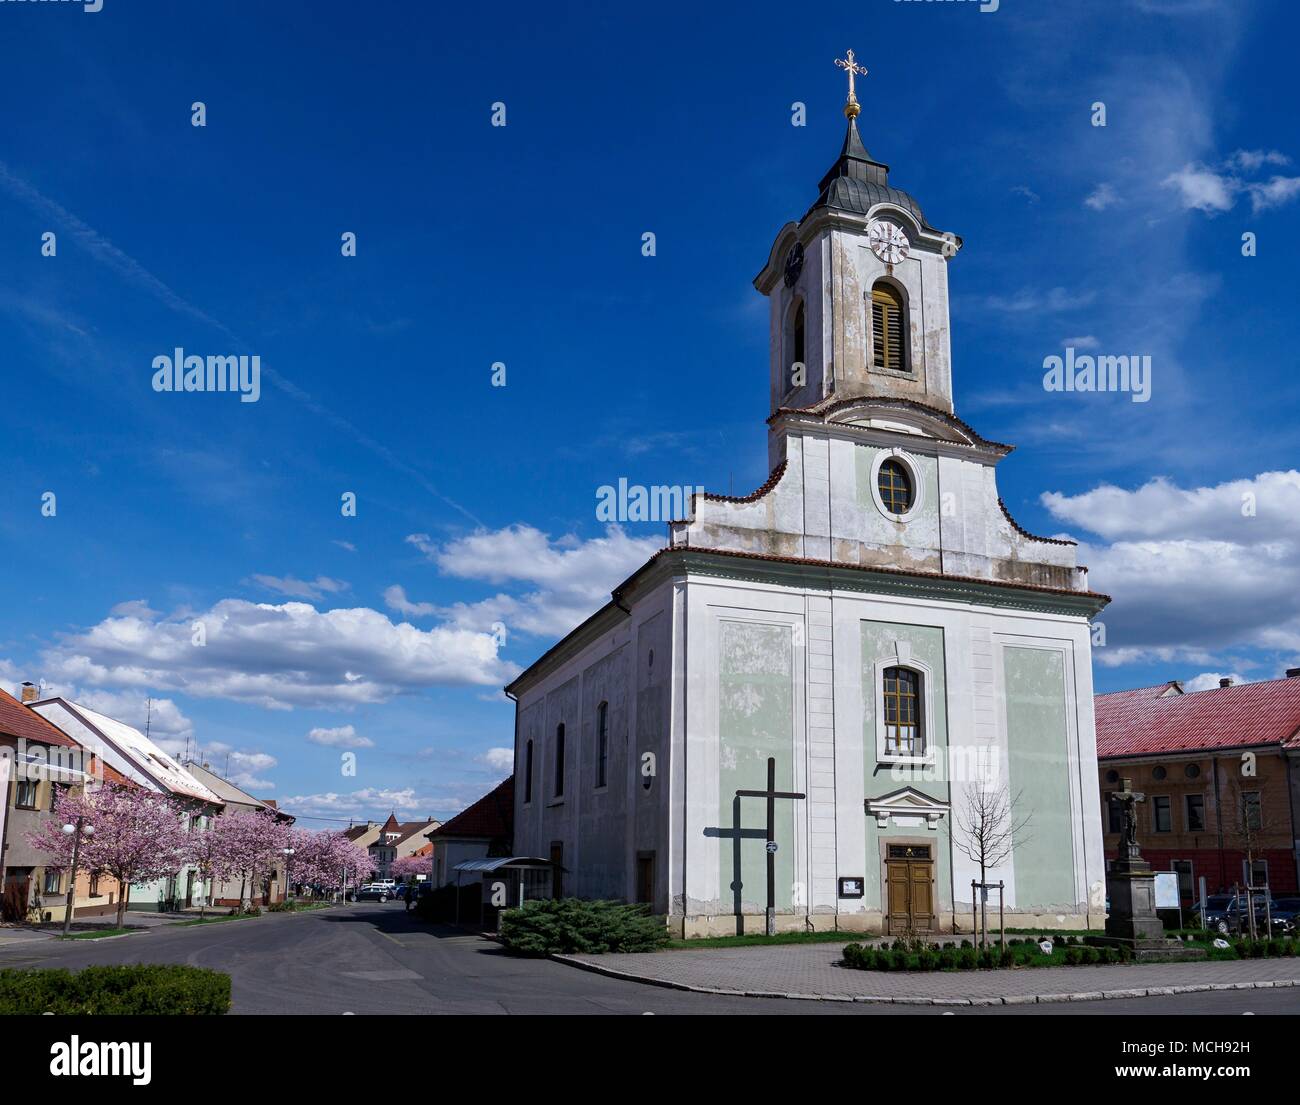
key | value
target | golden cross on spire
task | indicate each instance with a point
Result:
(849, 63)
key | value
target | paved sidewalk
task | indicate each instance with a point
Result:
(810, 971)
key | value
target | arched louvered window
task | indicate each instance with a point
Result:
(888, 328)
(902, 693)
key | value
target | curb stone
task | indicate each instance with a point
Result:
(1013, 999)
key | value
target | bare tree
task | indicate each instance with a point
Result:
(1248, 825)
(986, 829)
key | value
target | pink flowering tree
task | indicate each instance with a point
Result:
(211, 852)
(407, 867)
(254, 844)
(329, 859)
(138, 835)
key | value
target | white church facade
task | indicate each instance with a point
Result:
(871, 620)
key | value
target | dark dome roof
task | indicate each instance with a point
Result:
(857, 182)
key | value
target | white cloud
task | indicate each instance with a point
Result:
(301, 588)
(1201, 189)
(370, 802)
(1033, 299)
(572, 577)
(346, 545)
(1273, 193)
(1084, 341)
(1193, 571)
(395, 599)
(1102, 197)
(343, 736)
(278, 656)
(1249, 161)
(1208, 680)
(499, 759)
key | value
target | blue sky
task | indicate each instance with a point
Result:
(522, 244)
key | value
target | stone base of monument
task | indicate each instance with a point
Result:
(1132, 921)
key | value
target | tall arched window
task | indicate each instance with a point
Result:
(903, 736)
(602, 742)
(888, 328)
(559, 760)
(798, 350)
(528, 772)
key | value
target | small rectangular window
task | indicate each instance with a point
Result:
(26, 794)
(53, 880)
(1195, 813)
(559, 760)
(528, 772)
(602, 743)
(1252, 810)
(1114, 815)
(1161, 807)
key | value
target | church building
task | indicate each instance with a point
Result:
(869, 637)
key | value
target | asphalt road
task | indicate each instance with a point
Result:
(370, 958)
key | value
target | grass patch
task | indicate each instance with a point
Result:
(97, 935)
(758, 939)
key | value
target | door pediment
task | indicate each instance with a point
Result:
(908, 806)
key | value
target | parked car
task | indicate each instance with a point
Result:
(1288, 910)
(372, 892)
(1226, 913)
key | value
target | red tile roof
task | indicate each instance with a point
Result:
(17, 720)
(391, 825)
(491, 817)
(1148, 720)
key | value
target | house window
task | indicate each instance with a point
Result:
(1252, 810)
(887, 316)
(1257, 872)
(559, 760)
(902, 692)
(1114, 815)
(26, 794)
(1195, 810)
(1186, 888)
(53, 880)
(1163, 819)
(602, 742)
(94, 885)
(528, 772)
(645, 877)
(798, 357)
(895, 486)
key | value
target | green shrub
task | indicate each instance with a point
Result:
(144, 989)
(947, 959)
(567, 925)
(968, 960)
(928, 961)
(965, 944)
(1073, 956)
(1006, 958)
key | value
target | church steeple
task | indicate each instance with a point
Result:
(859, 288)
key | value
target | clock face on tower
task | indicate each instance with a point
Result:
(887, 241)
(794, 265)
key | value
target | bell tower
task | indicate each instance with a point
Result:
(858, 289)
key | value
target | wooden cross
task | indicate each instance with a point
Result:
(772, 794)
(849, 63)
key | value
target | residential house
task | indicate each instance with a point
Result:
(36, 758)
(1220, 772)
(231, 892)
(132, 753)
(391, 841)
(483, 830)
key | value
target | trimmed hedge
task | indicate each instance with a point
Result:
(916, 956)
(140, 990)
(567, 925)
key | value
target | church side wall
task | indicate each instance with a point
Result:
(601, 830)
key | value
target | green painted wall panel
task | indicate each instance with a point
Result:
(756, 720)
(1038, 770)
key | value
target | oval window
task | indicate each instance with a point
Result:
(894, 483)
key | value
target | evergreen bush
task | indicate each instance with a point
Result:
(568, 925)
(139, 990)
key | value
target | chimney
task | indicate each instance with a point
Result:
(1291, 673)
(1226, 681)
(31, 692)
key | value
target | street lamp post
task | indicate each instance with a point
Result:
(79, 828)
(288, 865)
